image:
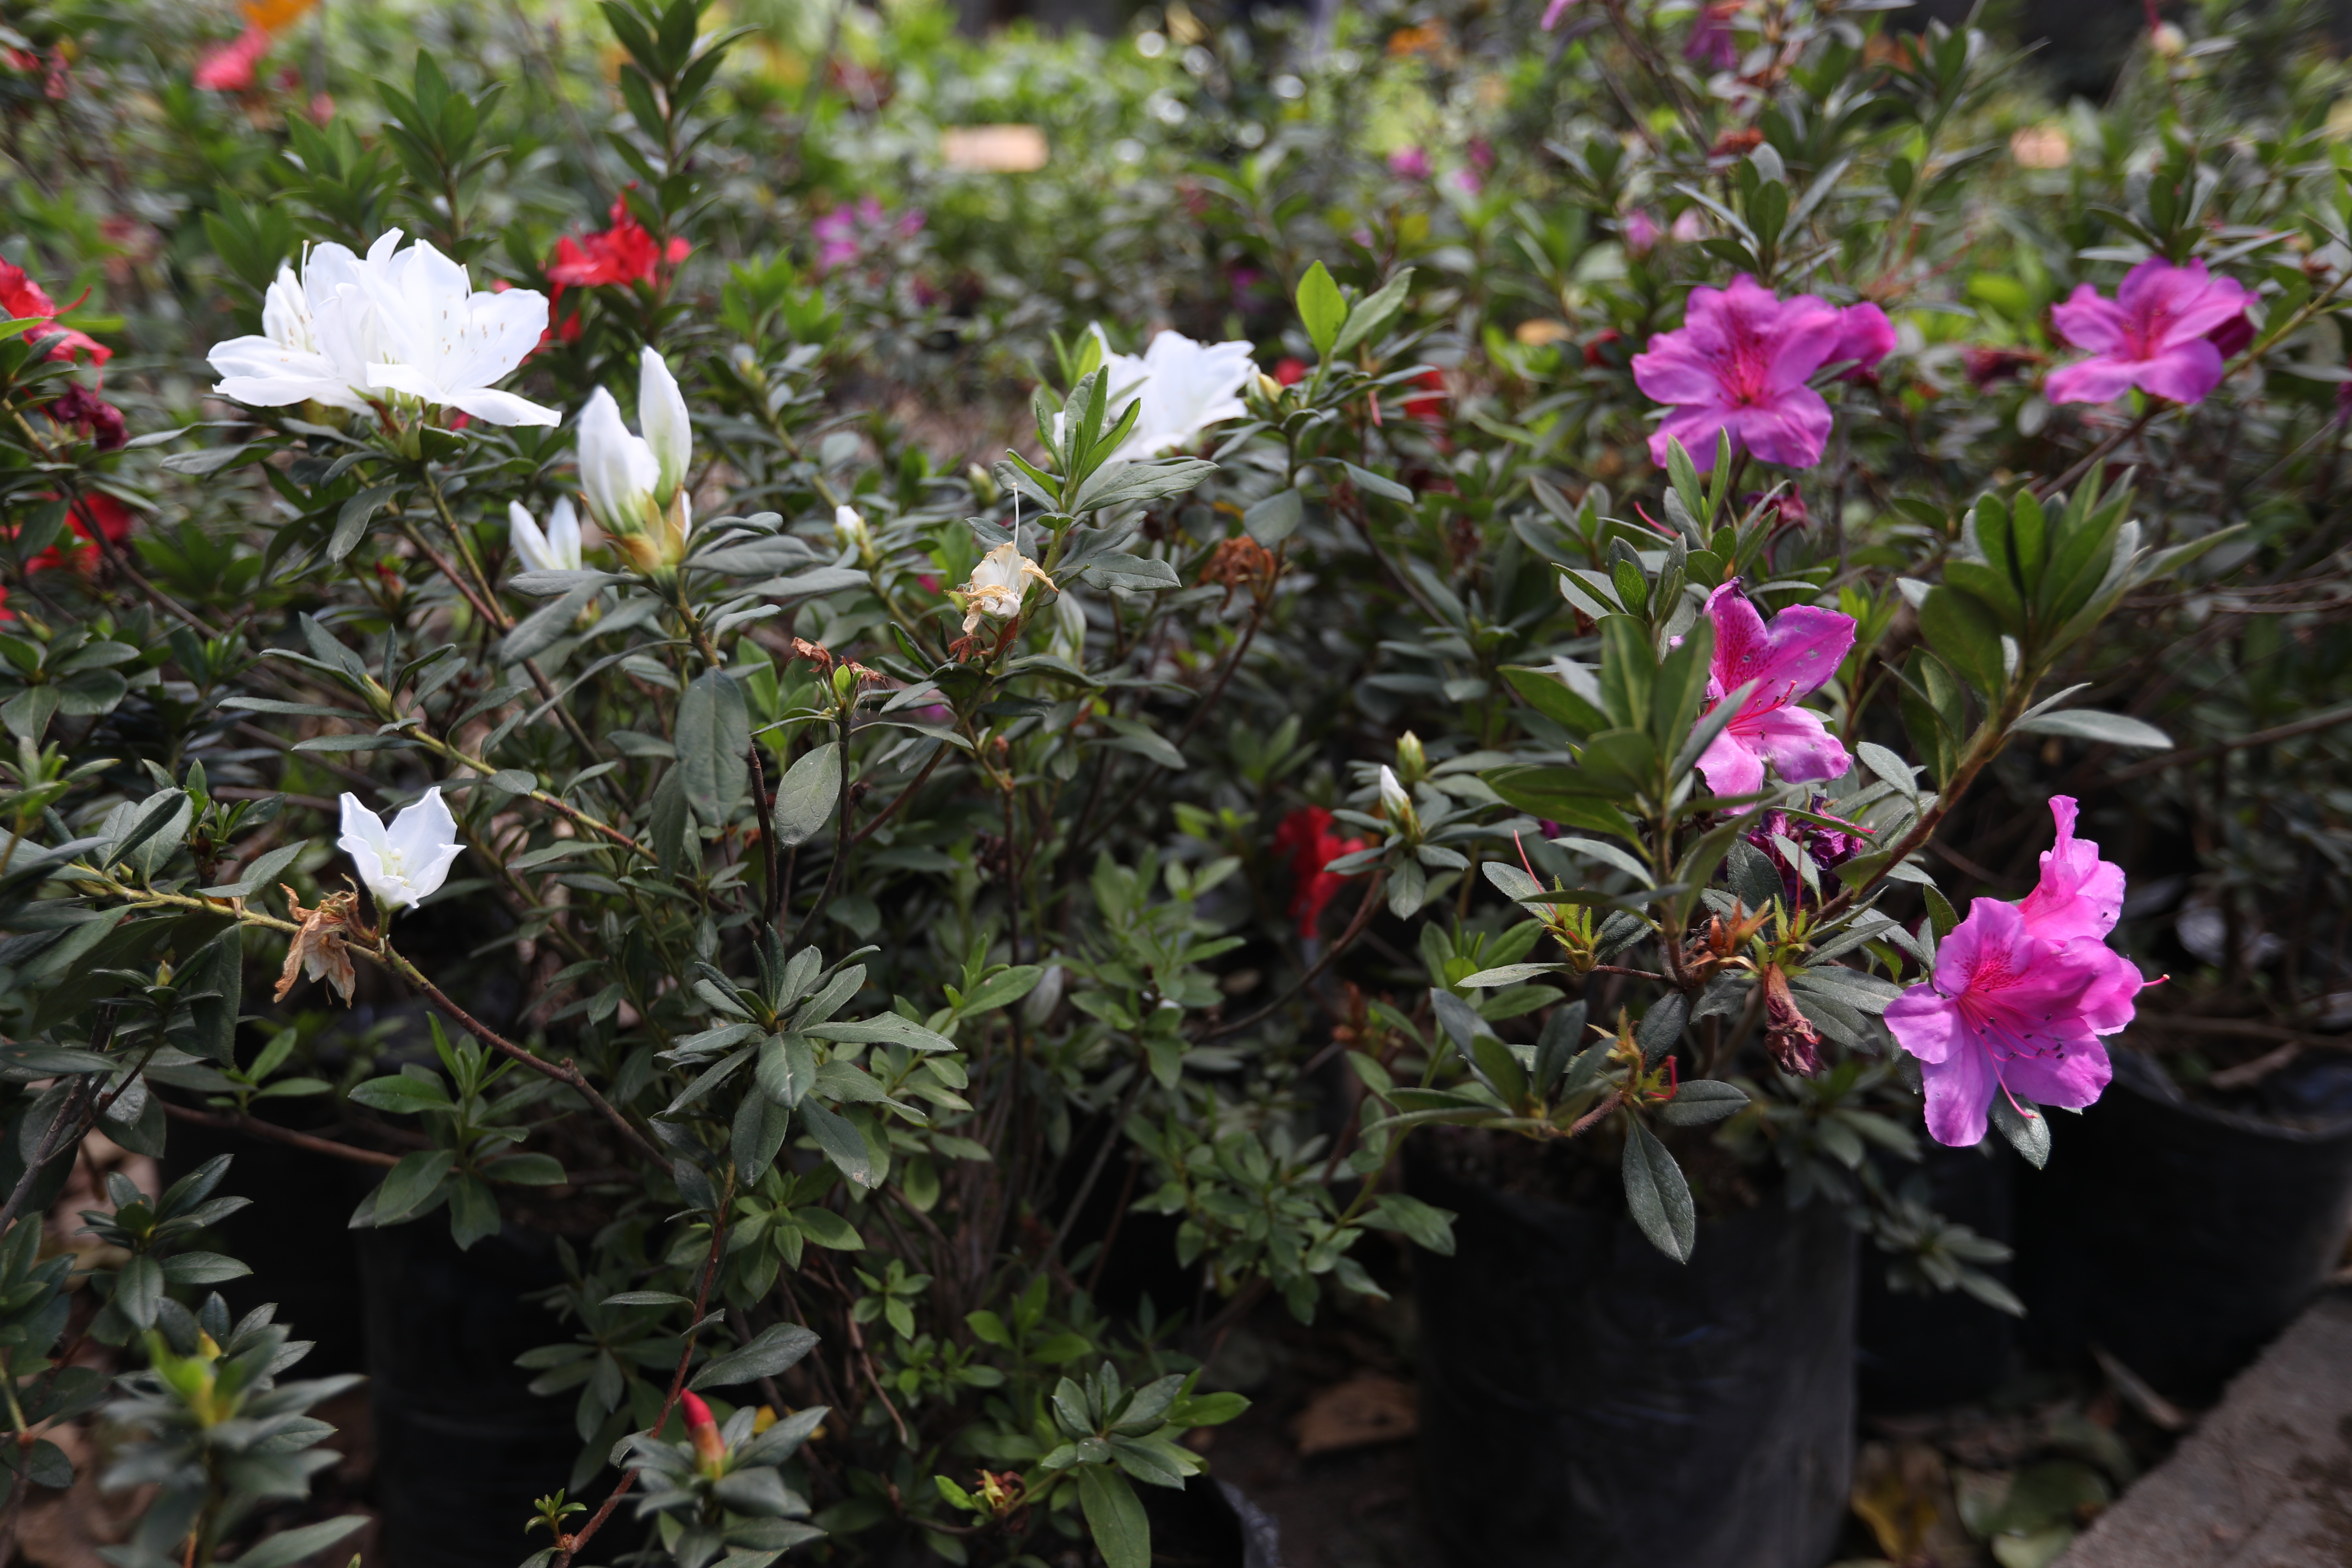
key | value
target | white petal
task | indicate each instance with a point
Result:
(617, 469)
(661, 413)
(563, 534)
(493, 407)
(531, 546)
(500, 330)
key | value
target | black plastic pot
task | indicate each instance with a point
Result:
(1918, 1352)
(1208, 1525)
(2179, 1237)
(1587, 1402)
(462, 1444)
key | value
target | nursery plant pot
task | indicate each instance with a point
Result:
(1208, 1525)
(1586, 1402)
(2181, 1238)
(462, 1444)
(1918, 1352)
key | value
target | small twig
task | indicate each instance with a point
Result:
(2327, 721)
(1364, 912)
(254, 1127)
(764, 801)
(901, 797)
(2043, 489)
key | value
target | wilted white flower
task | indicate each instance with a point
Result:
(634, 484)
(557, 550)
(997, 586)
(397, 321)
(406, 863)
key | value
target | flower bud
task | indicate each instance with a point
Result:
(1411, 763)
(1269, 388)
(1396, 805)
(984, 487)
(850, 529)
(2168, 40)
(710, 1446)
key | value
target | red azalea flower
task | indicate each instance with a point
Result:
(25, 299)
(1306, 839)
(622, 255)
(1289, 372)
(1431, 404)
(96, 513)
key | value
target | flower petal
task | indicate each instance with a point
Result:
(2087, 321)
(1960, 1088)
(1800, 746)
(1731, 765)
(2186, 372)
(2100, 380)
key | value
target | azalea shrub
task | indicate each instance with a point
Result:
(935, 760)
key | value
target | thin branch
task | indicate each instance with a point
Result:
(1364, 912)
(254, 1127)
(2328, 720)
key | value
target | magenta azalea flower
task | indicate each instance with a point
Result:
(1410, 163)
(2021, 994)
(1791, 659)
(2154, 334)
(1738, 363)
(1865, 336)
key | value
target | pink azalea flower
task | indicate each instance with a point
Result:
(1793, 657)
(2021, 994)
(1639, 231)
(1865, 336)
(230, 66)
(1409, 163)
(1738, 363)
(2153, 335)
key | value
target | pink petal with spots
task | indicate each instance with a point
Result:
(1799, 745)
(1796, 656)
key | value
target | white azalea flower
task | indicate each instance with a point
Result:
(557, 550)
(634, 484)
(1184, 387)
(299, 357)
(997, 586)
(406, 863)
(443, 343)
(406, 322)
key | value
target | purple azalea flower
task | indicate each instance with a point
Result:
(2155, 334)
(1791, 659)
(2021, 994)
(1640, 234)
(1738, 363)
(1712, 45)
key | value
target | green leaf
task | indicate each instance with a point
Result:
(1115, 1516)
(1968, 636)
(1657, 1194)
(409, 1187)
(1323, 311)
(714, 741)
(1004, 989)
(2105, 729)
(842, 1142)
(1276, 518)
(1374, 312)
(138, 1289)
(776, 1349)
(1702, 1100)
(810, 791)
(284, 1551)
(402, 1095)
(1422, 1223)
(2025, 1126)
(352, 520)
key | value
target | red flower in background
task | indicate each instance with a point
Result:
(1289, 372)
(24, 300)
(95, 515)
(618, 257)
(1431, 404)
(1305, 838)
